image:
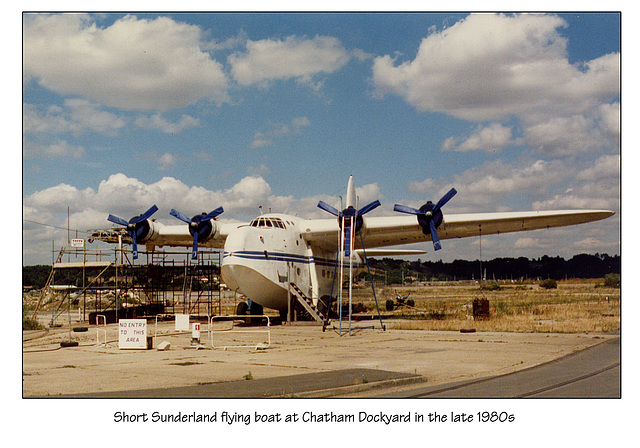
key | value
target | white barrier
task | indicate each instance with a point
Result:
(257, 346)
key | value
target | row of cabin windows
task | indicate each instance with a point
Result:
(268, 222)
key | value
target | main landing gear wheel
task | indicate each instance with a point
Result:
(242, 309)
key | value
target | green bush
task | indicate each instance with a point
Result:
(493, 286)
(549, 284)
(612, 280)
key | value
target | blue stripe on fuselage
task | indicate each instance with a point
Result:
(279, 256)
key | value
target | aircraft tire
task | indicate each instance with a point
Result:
(256, 310)
(242, 309)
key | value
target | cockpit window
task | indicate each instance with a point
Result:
(268, 223)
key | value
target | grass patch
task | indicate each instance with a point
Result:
(29, 323)
(572, 307)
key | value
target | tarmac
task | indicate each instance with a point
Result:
(297, 360)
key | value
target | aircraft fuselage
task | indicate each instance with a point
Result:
(260, 259)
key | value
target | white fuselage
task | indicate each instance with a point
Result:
(260, 259)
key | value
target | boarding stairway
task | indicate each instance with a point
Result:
(306, 302)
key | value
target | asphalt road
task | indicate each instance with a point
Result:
(590, 373)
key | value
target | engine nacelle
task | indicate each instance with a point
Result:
(204, 226)
(427, 214)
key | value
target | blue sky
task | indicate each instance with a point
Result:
(194, 111)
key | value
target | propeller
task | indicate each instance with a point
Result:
(350, 221)
(137, 227)
(350, 215)
(429, 216)
(199, 226)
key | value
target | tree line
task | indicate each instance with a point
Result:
(522, 268)
(395, 270)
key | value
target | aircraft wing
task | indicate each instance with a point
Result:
(397, 230)
(161, 235)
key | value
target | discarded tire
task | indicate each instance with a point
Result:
(69, 344)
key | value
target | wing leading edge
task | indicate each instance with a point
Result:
(392, 231)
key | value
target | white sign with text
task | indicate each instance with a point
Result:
(132, 333)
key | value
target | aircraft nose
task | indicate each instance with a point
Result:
(234, 245)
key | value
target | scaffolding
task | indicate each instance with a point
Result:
(108, 282)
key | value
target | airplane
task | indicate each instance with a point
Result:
(277, 255)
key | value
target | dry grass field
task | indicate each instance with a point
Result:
(575, 306)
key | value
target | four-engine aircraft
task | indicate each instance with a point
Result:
(267, 258)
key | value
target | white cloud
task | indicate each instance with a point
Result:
(75, 117)
(588, 244)
(605, 167)
(60, 148)
(598, 196)
(490, 138)
(610, 114)
(566, 136)
(277, 131)
(57, 199)
(489, 67)
(427, 186)
(260, 170)
(156, 121)
(484, 188)
(534, 243)
(132, 64)
(166, 160)
(293, 58)
(368, 193)
(125, 196)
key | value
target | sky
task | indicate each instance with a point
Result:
(242, 110)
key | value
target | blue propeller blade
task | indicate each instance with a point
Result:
(180, 216)
(135, 245)
(146, 215)
(116, 220)
(213, 214)
(405, 209)
(444, 199)
(434, 236)
(327, 208)
(194, 251)
(368, 208)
